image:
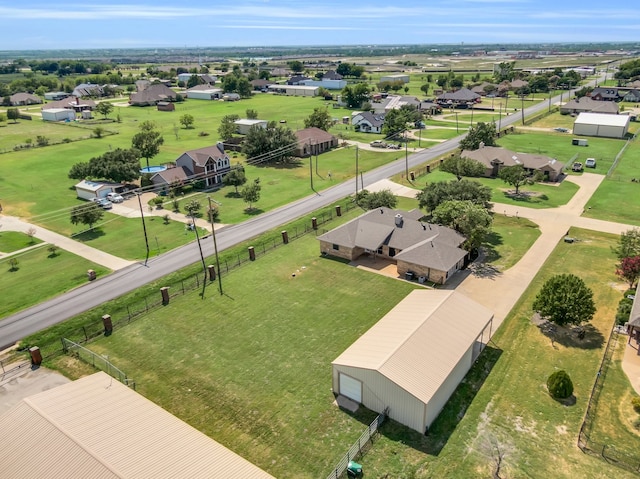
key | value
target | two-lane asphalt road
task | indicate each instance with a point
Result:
(28, 321)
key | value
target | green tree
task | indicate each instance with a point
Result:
(118, 165)
(192, 208)
(481, 133)
(79, 171)
(104, 108)
(504, 71)
(559, 385)
(98, 132)
(372, 200)
(269, 145)
(88, 214)
(251, 114)
(320, 118)
(437, 193)
(354, 96)
(516, 176)
(628, 244)
(295, 66)
(244, 88)
(227, 127)
(194, 80)
(425, 88)
(13, 114)
(147, 141)
(187, 121)
(565, 299)
(236, 177)
(251, 193)
(469, 219)
(461, 167)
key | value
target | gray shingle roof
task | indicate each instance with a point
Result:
(487, 154)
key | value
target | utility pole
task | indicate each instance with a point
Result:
(204, 266)
(522, 107)
(311, 170)
(406, 155)
(215, 247)
(144, 228)
(457, 130)
(356, 170)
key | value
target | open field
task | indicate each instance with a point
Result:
(40, 276)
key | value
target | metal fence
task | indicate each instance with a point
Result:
(607, 452)
(97, 361)
(132, 310)
(359, 447)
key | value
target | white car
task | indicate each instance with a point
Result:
(590, 163)
(115, 198)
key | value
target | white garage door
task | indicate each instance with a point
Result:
(351, 388)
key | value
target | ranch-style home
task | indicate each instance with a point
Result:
(493, 158)
(586, 104)
(367, 122)
(420, 250)
(313, 141)
(151, 95)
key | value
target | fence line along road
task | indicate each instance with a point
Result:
(48, 313)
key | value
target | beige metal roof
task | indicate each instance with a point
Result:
(96, 427)
(419, 342)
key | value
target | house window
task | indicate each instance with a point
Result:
(379, 250)
(336, 247)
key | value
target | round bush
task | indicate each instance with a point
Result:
(559, 385)
(635, 402)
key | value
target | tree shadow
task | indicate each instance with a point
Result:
(90, 235)
(583, 337)
(492, 241)
(570, 401)
(253, 211)
(282, 165)
(233, 194)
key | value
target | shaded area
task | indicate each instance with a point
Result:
(584, 337)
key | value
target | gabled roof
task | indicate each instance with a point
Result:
(605, 92)
(153, 94)
(518, 83)
(589, 104)
(489, 154)
(88, 89)
(314, 134)
(17, 98)
(331, 75)
(437, 255)
(179, 173)
(377, 227)
(202, 155)
(373, 120)
(463, 94)
(260, 83)
(96, 427)
(420, 341)
(70, 102)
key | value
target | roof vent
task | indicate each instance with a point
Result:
(399, 220)
(424, 227)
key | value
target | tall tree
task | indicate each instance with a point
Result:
(295, 66)
(187, 121)
(565, 299)
(481, 133)
(117, 165)
(469, 219)
(372, 200)
(320, 118)
(516, 176)
(236, 177)
(148, 140)
(628, 244)
(436, 193)
(251, 193)
(629, 270)
(227, 127)
(13, 114)
(354, 96)
(462, 167)
(88, 214)
(104, 108)
(269, 145)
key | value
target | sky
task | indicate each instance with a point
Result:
(63, 24)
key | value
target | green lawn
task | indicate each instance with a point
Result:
(536, 434)
(13, 241)
(617, 197)
(25, 132)
(41, 276)
(509, 240)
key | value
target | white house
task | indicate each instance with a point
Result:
(294, 90)
(367, 122)
(394, 78)
(206, 93)
(87, 190)
(328, 84)
(58, 114)
(601, 124)
(244, 125)
(413, 359)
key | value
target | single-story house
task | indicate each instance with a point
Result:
(427, 251)
(294, 90)
(204, 92)
(331, 75)
(412, 360)
(244, 125)
(58, 114)
(88, 89)
(166, 106)
(480, 89)
(313, 141)
(459, 98)
(56, 95)
(97, 427)
(394, 78)
(517, 83)
(632, 96)
(395, 102)
(297, 79)
(24, 99)
(260, 84)
(152, 95)
(586, 104)
(367, 122)
(210, 164)
(602, 125)
(88, 190)
(72, 103)
(493, 158)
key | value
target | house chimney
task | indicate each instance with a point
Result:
(424, 227)
(77, 100)
(220, 146)
(399, 220)
(381, 211)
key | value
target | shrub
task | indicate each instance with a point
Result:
(203, 133)
(166, 218)
(559, 385)
(635, 402)
(624, 310)
(158, 200)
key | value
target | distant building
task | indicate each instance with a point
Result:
(24, 99)
(58, 114)
(153, 94)
(367, 122)
(314, 141)
(586, 104)
(294, 90)
(394, 78)
(244, 125)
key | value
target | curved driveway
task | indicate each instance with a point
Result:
(33, 319)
